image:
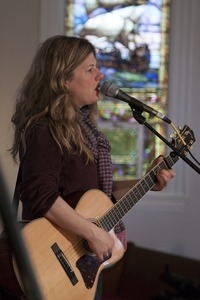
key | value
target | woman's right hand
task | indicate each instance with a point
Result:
(101, 243)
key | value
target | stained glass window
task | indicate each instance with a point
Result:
(132, 43)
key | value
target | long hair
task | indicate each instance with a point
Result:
(43, 95)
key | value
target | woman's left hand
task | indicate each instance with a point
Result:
(163, 175)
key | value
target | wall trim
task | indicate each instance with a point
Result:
(51, 18)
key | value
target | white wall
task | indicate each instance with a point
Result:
(163, 221)
(18, 39)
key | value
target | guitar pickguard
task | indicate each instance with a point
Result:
(88, 266)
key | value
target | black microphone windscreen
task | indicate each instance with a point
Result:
(109, 89)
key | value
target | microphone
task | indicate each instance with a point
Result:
(111, 90)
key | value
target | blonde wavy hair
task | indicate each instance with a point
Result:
(43, 95)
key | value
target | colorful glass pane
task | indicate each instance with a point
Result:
(132, 43)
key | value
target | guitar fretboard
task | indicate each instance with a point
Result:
(122, 207)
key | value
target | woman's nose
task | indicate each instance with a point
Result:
(99, 75)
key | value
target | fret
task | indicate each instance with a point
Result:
(138, 191)
(141, 190)
(127, 202)
(151, 177)
(107, 221)
(124, 208)
(145, 186)
(170, 161)
(131, 197)
(121, 210)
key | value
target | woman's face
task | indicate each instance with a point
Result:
(85, 82)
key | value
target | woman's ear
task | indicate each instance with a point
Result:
(66, 84)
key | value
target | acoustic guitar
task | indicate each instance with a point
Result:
(63, 265)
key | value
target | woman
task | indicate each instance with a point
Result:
(62, 154)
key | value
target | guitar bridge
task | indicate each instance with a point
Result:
(64, 263)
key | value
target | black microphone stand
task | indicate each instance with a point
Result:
(137, 114)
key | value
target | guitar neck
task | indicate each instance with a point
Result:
(126, 203)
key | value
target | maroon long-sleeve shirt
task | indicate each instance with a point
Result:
(48, 173)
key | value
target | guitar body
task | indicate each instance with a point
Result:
(63, 266)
